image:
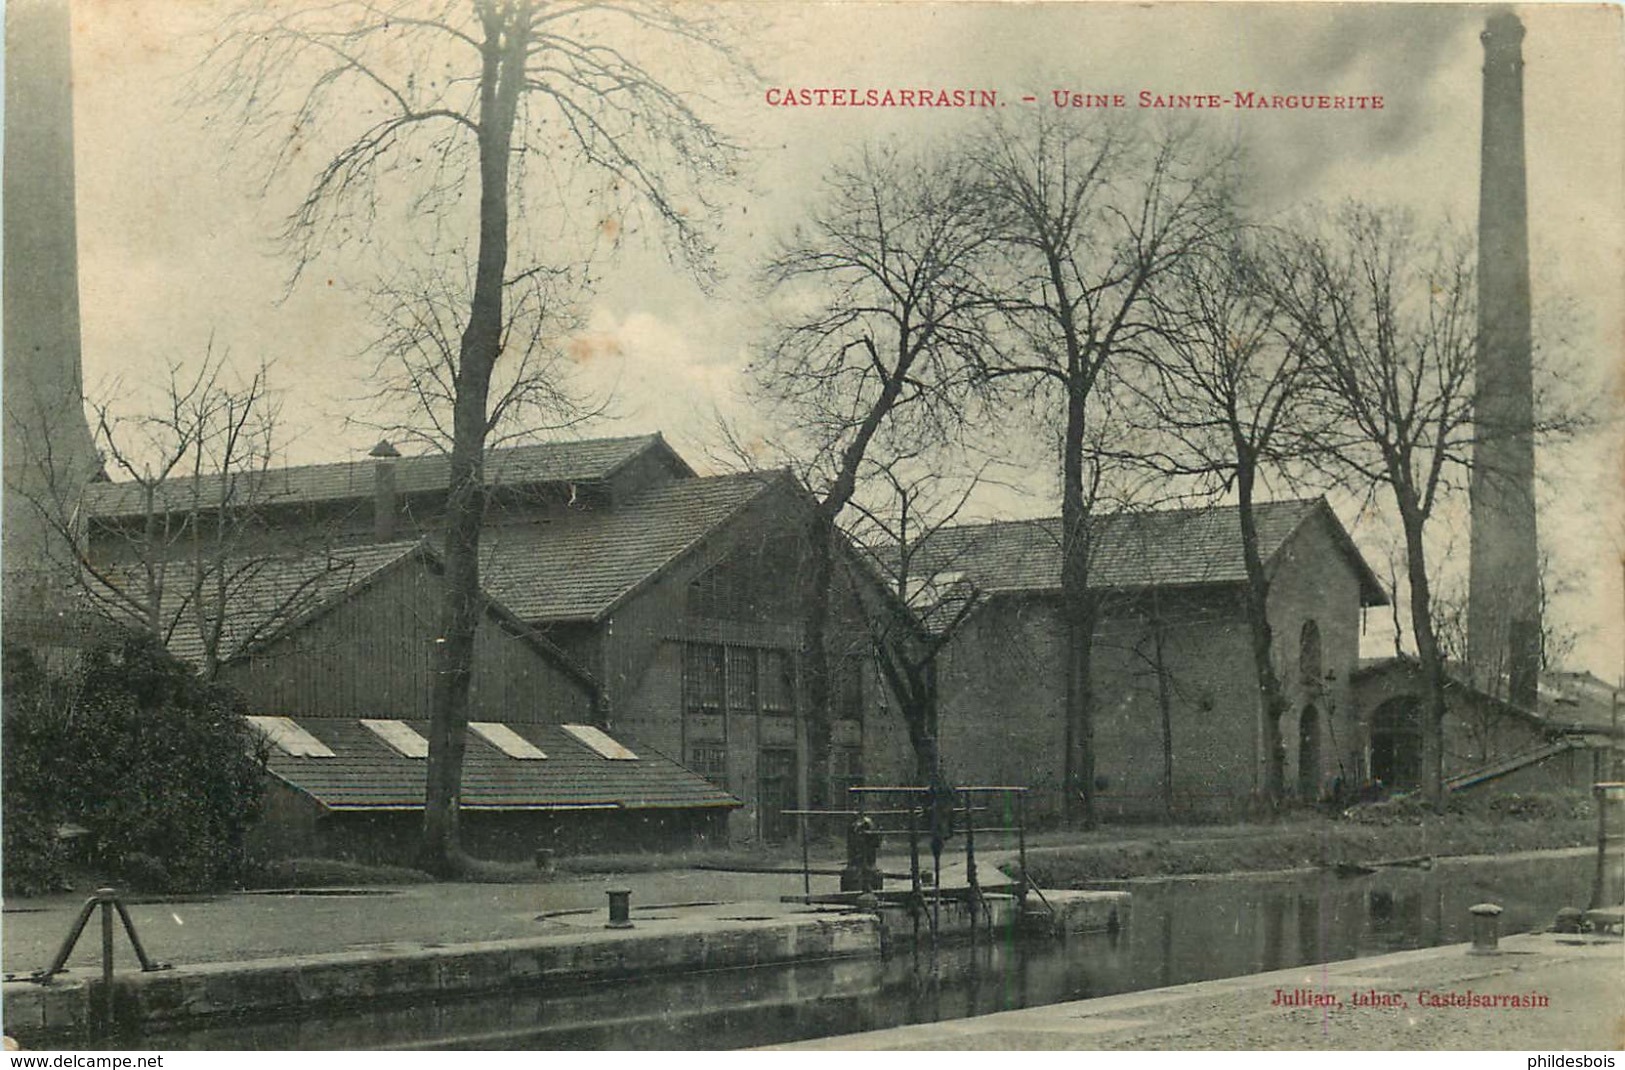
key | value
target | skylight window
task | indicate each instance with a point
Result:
(290, 739)
(598, 741)
(506, 740)
(400, 736)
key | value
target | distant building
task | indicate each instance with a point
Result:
(335, 652)
(1490, 741)
(684, 598)
(1173, 630)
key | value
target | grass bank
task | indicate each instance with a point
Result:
(1387, 831)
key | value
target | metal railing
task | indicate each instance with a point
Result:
(937, 814)
(107, 899)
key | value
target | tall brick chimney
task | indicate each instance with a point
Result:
(48, 452)
(1503, 611)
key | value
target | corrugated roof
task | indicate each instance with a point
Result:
(1160, 548)
(587, 461)
(578, 565)
(365, 773)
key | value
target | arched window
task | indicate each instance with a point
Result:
(1309, 662)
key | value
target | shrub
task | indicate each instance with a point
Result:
(144, 873)
(158, 765)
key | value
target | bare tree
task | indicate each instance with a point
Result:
(172, 544)
(884, 329)
(1388, 312)
(415, 104)
(1223, 388)
(422, 315)
(1090, 217)
(1558, 638)
(909, 498)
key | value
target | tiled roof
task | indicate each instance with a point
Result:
(267, 594)
(586, 461)
(366, 774)
(578, 565)
(1577, 698)
(1161, 548)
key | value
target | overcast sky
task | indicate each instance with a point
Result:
(175, 237)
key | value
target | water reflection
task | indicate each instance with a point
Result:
(1179, 931)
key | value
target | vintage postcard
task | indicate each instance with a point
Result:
(848, 525)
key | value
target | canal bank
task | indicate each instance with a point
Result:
(575, 946)
(1541, 992)
(1183, 930)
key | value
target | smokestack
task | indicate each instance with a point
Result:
(386, 506)
(49, 456)
(1503, 610)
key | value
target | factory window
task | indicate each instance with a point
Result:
(847, 690)
(737, 679)
(702, 678)
(710, 761)
(778, 681)
(742, 690)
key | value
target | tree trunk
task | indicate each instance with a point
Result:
(1078, 610)
(920, 713)
(912, 677)
(501, 80)
(1159, 639)
(816, 661)
(1427, 652)
(1272, 697)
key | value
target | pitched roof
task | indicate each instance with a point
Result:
(366, 774)
(1131, 550)
(586, 461)
(268, 595)
(275, 594)
(581, 564)
(1564, 701)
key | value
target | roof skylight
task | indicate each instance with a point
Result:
(290, 739)
(599, 742)
(506, 740)
(400, 737)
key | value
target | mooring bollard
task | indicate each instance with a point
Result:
(1486, 928)
(620, 908)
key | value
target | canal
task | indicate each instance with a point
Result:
(1181, 930)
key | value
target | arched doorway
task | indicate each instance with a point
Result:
(1309, 753)
(1396, 743)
